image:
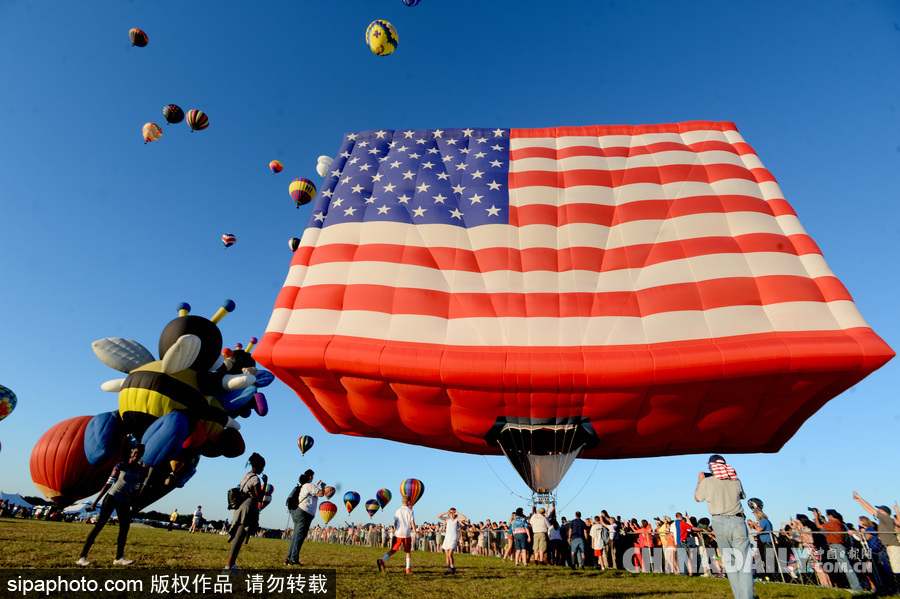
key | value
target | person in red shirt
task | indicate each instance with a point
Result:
(833, 528)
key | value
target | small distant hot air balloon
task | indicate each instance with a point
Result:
(303, 191)
(7, 402)
(138, 37)
(293, 243)
(229, 239)
(151, 132)
(173, 113)
(351, 500)
(372, 507)
(329, 492)
(266, 500)
(410, 2)
(383, 496)
(268, 489)
(381, 37)
(275, 167)
(327, 510)
(413, 488)
(197, 120)
(324, 163)
(305, 443)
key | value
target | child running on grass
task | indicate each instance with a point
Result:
(404, 529)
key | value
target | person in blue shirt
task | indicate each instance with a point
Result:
(576, 540)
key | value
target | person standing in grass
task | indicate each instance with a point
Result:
(404, 530)
(307, 499)
(451, 519)
(125, 483)
(722, 490)
(195, 523)
(172, 519)
(245, 520)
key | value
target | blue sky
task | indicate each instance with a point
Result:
(103, 236)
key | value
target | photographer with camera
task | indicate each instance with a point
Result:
(306, 495)
(722, 490)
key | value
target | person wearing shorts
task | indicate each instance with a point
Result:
(404, 529)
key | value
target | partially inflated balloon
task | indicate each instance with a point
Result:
(151, 132)
(383, 496)
(351, 500)
(7, 402)
(302, 191)
(294, 243)
(197, 120)
(329, 492)
(275, 167)
(173, 114)
(413, 488)
(327, 510)
(59, 466)
(229, 239)
(138, 37)
(305, 443)
(381, 37)
(372, 507)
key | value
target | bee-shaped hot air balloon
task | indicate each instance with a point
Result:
(161, 401)
(381, 37)
(197, 120)
(303, 191)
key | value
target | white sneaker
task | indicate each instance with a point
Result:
(123, 562)
(81, 561)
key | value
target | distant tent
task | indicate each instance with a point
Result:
(77, 509)
(14, 499)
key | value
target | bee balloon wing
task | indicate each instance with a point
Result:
(121, 354)
(182, 354)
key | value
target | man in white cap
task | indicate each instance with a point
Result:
(722, 490)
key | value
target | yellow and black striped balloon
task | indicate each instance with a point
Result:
(381, 37)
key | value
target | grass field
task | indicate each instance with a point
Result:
(28, 544)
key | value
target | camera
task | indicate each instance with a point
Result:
(811, 509)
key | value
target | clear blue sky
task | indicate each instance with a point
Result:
(103, 235)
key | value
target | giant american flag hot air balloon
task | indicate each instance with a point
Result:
(601, 291)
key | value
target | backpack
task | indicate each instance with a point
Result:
(293, 500)
(235, 498)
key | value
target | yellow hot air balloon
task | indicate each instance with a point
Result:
(381, 37)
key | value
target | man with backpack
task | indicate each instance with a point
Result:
(301, 504)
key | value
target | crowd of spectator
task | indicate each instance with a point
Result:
(811, 548)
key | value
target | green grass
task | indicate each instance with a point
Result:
(39, 544)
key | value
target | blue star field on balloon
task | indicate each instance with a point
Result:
(424, 176)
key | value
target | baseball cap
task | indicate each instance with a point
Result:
(715, 458)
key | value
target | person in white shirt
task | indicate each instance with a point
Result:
(540, 526)
(404, 531)
(452, 518)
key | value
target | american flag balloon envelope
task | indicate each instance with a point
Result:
(596, 292)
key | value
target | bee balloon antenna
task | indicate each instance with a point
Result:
(227, 306)
(184, 309)
(253, 341)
